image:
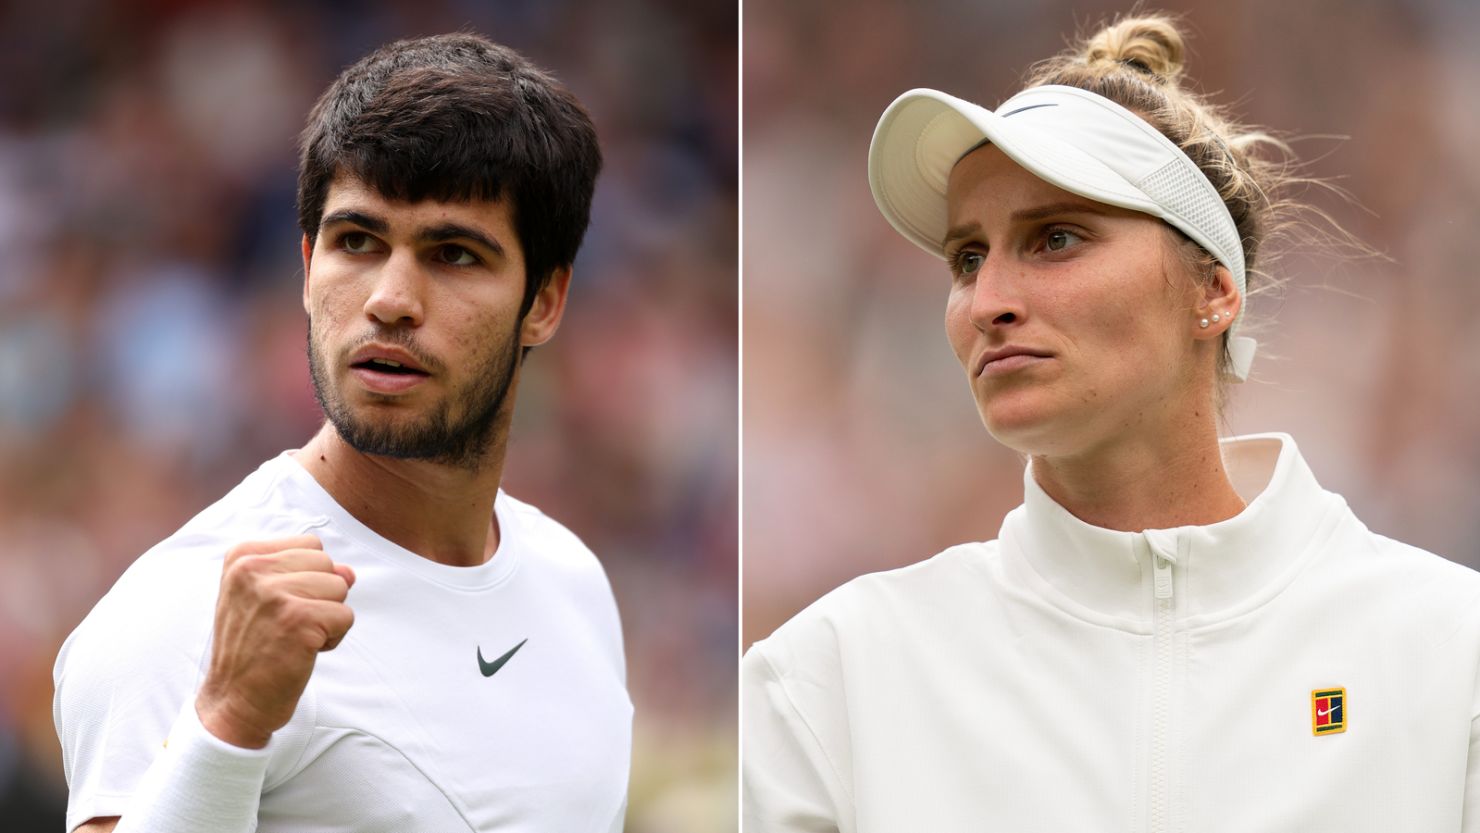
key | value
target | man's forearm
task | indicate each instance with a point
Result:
(199, 782)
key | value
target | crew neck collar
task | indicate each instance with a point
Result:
(1218, 569)
(313, 497)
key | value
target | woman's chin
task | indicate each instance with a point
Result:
(1023, 422)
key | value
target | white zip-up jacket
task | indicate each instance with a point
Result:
(1284, 670)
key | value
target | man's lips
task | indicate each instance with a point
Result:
(385, 369)
(386, 358)
(381, 381)
(1007, 359)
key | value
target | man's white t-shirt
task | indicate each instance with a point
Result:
(411, 723)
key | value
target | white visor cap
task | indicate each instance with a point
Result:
(1081, 142)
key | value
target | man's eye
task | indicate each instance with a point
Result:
(357, 242)
(458, 256)
(1057, 240)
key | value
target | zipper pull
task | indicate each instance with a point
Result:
(1165, 548)
(1161, 573)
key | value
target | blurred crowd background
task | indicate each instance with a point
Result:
(151, 329)
(862, 446)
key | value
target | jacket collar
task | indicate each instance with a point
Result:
(1216, 570)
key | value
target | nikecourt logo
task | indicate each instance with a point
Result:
(1328, 711)
(491, 668)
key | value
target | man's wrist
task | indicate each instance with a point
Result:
(198, 782)
(220, 723)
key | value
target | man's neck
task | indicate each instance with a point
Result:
(442, 513)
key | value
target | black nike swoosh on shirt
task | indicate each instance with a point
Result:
(491, 668)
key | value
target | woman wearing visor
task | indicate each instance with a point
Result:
(1173, 632)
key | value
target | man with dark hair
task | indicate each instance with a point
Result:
(367, 634)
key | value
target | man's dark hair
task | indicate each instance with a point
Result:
(458, 117)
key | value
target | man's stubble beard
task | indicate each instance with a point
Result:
(457, 432)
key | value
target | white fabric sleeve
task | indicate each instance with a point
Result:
(789, 783)
(198, 782)
(122, 677)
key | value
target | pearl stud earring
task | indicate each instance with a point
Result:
(1215, 318)
(1203, 323)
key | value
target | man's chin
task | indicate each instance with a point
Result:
(396, 446)
(410, 436)
(371, 401)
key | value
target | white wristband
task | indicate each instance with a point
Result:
(199, 782)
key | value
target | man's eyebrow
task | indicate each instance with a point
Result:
(365, 221)
(433, 234)
(453, 231)
(1043, 212)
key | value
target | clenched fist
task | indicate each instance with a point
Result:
(281, 603)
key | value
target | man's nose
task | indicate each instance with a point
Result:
(396, 293)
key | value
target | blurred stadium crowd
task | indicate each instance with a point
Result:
(151, 330)
(863, 450)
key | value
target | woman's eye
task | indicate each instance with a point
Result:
(458, 256)
(967, 262)
(1057, 240)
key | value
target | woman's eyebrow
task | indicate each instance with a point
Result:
(1043, 212)
(1029, 215)
(963, 230)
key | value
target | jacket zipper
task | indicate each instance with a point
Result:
(1158, 774)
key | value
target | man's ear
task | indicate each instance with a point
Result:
(307, 256)
(543, 318)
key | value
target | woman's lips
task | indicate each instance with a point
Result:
(1008, 359)
(1008, 364)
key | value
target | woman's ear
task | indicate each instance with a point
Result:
(1218, 304)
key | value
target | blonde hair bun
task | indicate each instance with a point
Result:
(1150, 43)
